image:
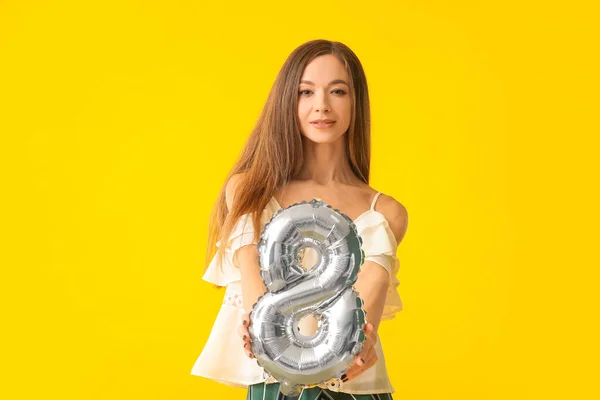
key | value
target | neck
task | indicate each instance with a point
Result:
(326, 163)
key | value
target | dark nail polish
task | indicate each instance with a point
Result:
(244, 323)
(245, 344)
(244, 337)
(363, 361)
(345, 380)
(343, 376)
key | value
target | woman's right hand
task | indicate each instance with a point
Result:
(245, 335)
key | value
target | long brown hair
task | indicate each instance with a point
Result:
(273, 153)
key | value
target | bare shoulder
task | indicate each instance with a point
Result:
(395, 213)
(231, 186)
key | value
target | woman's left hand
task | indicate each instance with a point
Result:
(367, 356)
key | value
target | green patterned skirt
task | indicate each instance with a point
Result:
(262, 391)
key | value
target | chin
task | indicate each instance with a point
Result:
(322, 135)
(323, 138)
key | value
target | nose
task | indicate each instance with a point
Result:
(322, 104)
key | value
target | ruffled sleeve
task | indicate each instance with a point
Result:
(379, 245)
(241, 235)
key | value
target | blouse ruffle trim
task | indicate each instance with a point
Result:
(379, 245)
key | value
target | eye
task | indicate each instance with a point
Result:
(338, 91)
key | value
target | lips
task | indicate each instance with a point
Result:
(325, 125)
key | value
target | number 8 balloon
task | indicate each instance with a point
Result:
(324, 291)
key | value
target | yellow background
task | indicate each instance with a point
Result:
(120, 119)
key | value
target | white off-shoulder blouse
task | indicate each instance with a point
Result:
(223, 358)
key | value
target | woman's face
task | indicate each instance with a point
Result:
(324, 93)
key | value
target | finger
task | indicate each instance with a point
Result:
(369, 362)
(245, 319)
(363, 358)
(362, 355)
(351, 372)
(245, 338)
(369, 354)
(248, 349)
(360, 360)
(365, 354)
(369, 330)
(370, 333)
(242, 331)
(355, 370)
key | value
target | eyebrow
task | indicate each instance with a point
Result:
(333, 82)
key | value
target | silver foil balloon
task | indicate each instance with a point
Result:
(324, 291)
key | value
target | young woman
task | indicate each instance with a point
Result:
(312, 140)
